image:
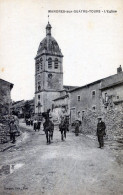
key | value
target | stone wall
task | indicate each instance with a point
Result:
(4, 132)
(114, 123)
(89, 123)
(113, 119)
(5, 96)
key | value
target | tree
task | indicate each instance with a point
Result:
(27, 109)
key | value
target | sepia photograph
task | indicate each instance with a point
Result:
(61, 97)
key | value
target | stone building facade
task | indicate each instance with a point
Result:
(101, 98)
(83, 99)
(48, 72)
(61, 104)
(112, 92)
(5, 96)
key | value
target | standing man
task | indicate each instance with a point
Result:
(77, 125)
(13, 130)
(17, 124)
(101, 132)
(35, 124)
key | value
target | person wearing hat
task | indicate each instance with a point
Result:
(77, 125)
(101, 132)
(35, 124)
(13, 130)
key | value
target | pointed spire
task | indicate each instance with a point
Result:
(48, 28)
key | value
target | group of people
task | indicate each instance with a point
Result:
(35, 123)
(48, 126)
(29, 122)
(100, 130)
(64, 127)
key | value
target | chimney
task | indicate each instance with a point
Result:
(119, 69)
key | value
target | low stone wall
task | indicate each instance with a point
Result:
(89, 123)
(114, 123)
(113, 119)
(4, 131)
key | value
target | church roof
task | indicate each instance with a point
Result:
(49, 45)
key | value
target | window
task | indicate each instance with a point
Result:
(83, 114)
(37, 61)
(50, 76)
(39, 77)
(94, 107)
(106, 97)
(117, 97)
(41, 61)
(78, 114)
(39, 97)
(93, 93)
(39, 87)
(50, 63)
(56, 64)
(78, 98)
(37, 67)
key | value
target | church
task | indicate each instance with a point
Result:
(102, 97)
(48, 73)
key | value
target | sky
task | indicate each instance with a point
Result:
(92, 43)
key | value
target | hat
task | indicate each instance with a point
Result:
(99, 117)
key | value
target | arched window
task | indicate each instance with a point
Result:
(41, 62)
(56, 64)
(37, 67)
(39, 77)
(39, 87)
(37, 61)
(50, 63)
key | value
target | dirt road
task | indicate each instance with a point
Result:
(72, 167)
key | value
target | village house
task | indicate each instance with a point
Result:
(23, 108)
(61, 104)
(5, 96)
(101, 98)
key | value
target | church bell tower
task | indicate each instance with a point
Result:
(48, 72)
